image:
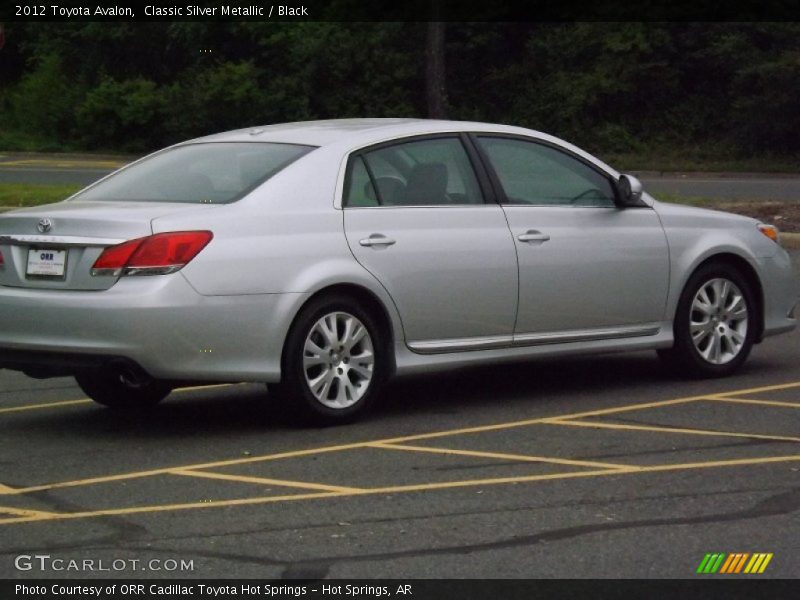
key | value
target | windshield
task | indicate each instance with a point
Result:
(205, 173)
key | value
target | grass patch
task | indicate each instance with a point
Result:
(30, 194)
(15, 141)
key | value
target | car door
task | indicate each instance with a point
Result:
(587, 268)
(415, 217)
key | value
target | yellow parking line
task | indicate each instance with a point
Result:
(734, 462)
(502, 456)
(208, 465)
(173, 507)
(88, 481)
(759, 390)
(265, 481)
(395, 440)
(399, 489)
(591, 413)
(526, 422)
(212, 386)
(41, 406)
(599, 425)
(756, 402)
(597, 473)
(25, 512)
(88, 401)
(168, 470)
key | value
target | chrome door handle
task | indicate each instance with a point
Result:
(532, 235)
(376, 240)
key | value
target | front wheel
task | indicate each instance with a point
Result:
(334, 362)
(715, 323)
(122, 388)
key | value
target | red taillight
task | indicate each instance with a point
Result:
(168, 249)
(116, 257)
(154, 255)
(2, 261)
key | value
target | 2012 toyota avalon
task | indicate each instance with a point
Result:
(325, 257)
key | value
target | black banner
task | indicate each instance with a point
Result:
(399, 10)
(486, 589)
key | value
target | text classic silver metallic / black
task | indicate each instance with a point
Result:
(325, 257)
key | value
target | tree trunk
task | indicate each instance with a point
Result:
(435, 85)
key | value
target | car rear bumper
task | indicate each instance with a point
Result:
(160, 323)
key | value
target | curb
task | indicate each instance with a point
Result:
(790, 241)
(57, 156)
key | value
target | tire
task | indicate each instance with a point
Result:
(715, 323)
(335, 361)
(122, 388)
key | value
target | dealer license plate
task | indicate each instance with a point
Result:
(44, 262)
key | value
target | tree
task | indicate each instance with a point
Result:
(435, 84)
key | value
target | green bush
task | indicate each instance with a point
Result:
(766, 115)
(214, 98)
(125, 115)
(43, 103)
(624, 88)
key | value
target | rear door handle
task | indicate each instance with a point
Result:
(376, 239)
(533, 235)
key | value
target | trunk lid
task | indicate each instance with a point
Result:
(37, 241)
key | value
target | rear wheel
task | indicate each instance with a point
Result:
(715, 324)
(122, 388)
(334, 362)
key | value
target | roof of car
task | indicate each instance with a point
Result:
(321, 133)
(348, 134)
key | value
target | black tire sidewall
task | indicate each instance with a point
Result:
(298, 398)
(684, 350)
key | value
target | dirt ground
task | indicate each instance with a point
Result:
(784, 215)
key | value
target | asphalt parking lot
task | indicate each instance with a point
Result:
(602, 467)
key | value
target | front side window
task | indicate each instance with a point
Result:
(205, 173)
(432, 172)
(537, 174)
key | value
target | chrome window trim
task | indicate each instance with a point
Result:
(338, 198)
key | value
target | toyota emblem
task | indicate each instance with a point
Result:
(44, 225)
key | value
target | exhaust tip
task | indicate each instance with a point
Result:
(131, 374)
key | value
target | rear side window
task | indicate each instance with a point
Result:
(532, 173)
(360, 190)
(431, 172)
(208, 173)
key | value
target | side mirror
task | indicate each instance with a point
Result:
(629, 191)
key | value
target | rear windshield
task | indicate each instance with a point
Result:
(205, 173)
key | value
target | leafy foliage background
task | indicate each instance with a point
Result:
(611, 87)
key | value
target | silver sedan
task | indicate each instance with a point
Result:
(325, 257)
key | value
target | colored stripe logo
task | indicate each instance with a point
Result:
(731, 564)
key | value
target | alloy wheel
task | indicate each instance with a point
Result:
(338, 360)
(718, 321)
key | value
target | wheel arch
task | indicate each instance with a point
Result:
(366, 298)
(743, 266)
